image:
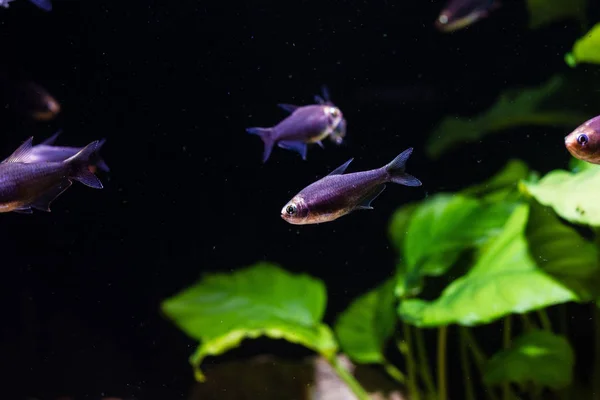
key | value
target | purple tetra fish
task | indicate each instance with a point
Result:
(45, 5)
(25, 186)
(336, 194)
(458, 14)
(305, 125)
(47, 151)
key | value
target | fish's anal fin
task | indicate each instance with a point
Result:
(294, 145)
(23, 210)
(372, 195)
(288, 107)
(21, 152)
(43, 202)
(340, 170)
(50, 141)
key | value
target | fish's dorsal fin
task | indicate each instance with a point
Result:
(340, 170)
(50, 141)
(21, 153)
(288, 107)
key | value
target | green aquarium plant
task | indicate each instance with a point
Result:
(508, 255)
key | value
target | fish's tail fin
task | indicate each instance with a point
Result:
(267, 138)
(397, 167)
(45, 5)
(97, 160)
(80, 163)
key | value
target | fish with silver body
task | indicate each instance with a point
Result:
(338, 194)
(305, 125)
(458, 14)
(25, 186)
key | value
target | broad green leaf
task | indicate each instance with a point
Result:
(544, 12)
(576, 165)
(586, 49)
(514, 108)
(561, 252)
(364, 328)
(573, 196)
(503, 280)
(442, 228)
(537, 357)
(223, 309)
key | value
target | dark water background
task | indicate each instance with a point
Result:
(172, 85)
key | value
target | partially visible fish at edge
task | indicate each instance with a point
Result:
(338, 194)
(584, 142)
(305, 125)
(27, 98)
(458, 14)
(24, 187)
(45, 5)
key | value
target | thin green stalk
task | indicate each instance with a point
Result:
(424, 364)
(529, 325)
(394, 372)
(348, 378)
(563, 320)
(407, 348)
(479, 357)
(544, 320)
(506, 344)
(466, 370)
(442, 339)
(596, 370)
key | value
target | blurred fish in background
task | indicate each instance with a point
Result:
(458, 14)
(27, 98)
(45, 5)
(46, 151)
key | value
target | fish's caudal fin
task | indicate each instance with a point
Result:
(267, 138)
(396, 170)
(80, 162)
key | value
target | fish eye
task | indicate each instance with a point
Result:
(582, 139)
(443, 19)
(291, 209)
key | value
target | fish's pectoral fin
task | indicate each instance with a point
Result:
(50, 141)
(320, 144)
(340, 170)
(21, 153)
(23, 210)
(288, 107)
(45, 5)
(294, 145)
(319, 99)
(365, 204)
(43, 202)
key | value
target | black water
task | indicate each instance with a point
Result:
(172, 85)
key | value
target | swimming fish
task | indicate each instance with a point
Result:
(584, 142)
(24, 186)
(458, 14)
(27, 98)
(45, 5)
(305, 125)
(338, 194)
(46, 151)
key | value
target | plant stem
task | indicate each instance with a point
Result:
(529, 325)
(424, 364)
(563, 320)
(442, 339)
(394, 372)
(479, 358)
(506, 345)
(544, 320)
(464, 361)
(406, 348)
(348, 378)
